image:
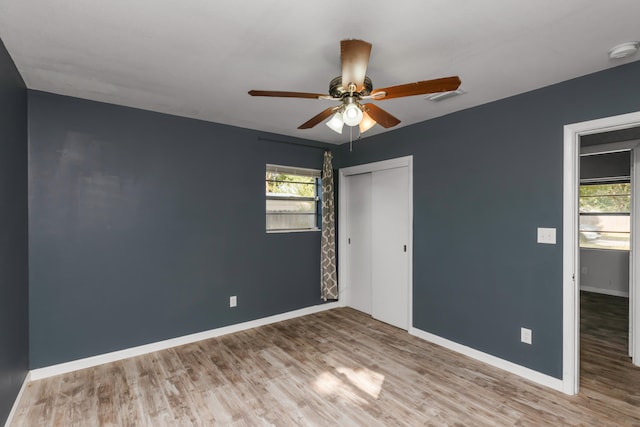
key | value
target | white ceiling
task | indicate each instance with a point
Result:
(198, 58)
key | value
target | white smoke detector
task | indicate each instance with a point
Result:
(623, 50)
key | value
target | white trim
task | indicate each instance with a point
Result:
(633, 249)
(294, 230)
(410, 240)
(14, 408)
(634, 261)
(63, 368)
(292, 170)
(406, 161)
(398, 162)
(570, 261)
(343, 282)
(527, 373)
(611, 292)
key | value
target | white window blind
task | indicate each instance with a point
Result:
(288, 170)
(292, 199)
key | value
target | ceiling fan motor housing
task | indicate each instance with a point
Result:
(337, 90)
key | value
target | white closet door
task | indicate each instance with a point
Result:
(359, 241)
(390, 239)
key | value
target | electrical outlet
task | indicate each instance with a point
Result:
(233, 301)
(525, 335)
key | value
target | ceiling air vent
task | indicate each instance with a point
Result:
(441, 96)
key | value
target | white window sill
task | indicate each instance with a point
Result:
(304, 230)
(604, 249)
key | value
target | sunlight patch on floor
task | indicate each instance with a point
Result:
(348, 383)
(365, 379)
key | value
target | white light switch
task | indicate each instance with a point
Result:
(547, 235)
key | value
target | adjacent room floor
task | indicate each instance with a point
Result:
(338, 367)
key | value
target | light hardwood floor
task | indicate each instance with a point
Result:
(335, 368)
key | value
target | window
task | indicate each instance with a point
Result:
(604, 215)
(292, 199)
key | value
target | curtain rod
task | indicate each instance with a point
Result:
(293, 143)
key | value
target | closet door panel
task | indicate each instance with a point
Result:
(390, 238)
(359, 230)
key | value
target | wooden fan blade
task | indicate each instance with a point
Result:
(383, 118)
(287, 94)
(418, 88)
(318, 118)
(354, 55)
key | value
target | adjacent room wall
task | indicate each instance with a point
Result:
(605, 270)
(142, 225)
(484, 180)
(14, 308)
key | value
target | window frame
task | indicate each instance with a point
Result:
(316, 199)
(605, 181)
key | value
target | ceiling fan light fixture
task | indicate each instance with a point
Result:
(352, 115)
(353, 86)
(336, 123)
(366, 123)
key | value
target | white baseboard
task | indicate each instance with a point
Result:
(529, 374)
(605, 291)
(74, 365)
(14, 408)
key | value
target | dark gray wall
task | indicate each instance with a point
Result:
(143, 224)
(484, 180)
(14, 291)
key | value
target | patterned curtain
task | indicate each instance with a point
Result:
(329, 282)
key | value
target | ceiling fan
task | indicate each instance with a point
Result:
(354, 86)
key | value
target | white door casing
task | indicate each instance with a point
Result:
(634, 260)
(343, 251)
(571, 261)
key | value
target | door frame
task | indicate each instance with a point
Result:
(571, 250)
(343, 262)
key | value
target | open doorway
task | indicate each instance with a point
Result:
(605, 210)
(574, 134)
